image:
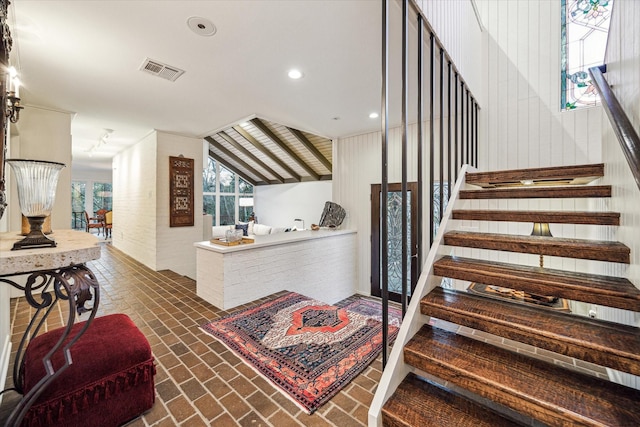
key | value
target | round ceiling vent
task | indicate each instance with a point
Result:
(201, 26)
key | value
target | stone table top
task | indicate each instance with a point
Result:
(74, 247)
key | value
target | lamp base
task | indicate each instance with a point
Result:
(35, 238)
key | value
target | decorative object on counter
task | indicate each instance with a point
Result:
(233, 236)
(37, 181)
(332, 215)
(315, 227)
(181, 212)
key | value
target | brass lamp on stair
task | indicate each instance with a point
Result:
(541, 229)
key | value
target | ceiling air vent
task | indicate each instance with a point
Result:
(159, 69)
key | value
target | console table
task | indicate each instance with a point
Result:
(47, 275)
(319, 264)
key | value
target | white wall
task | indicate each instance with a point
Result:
(43, 134)
(521, 122)
(279, 205)
(141, 203)
(97, 175)
(174, 245)
(134, 204)
(459, 29)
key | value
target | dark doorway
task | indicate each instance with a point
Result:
(394, 221)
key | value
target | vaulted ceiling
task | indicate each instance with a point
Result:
(265, 152)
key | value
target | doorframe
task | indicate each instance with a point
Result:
(412, 192)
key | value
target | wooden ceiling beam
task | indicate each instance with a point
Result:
(233, 169)
(312, 148)
(246, 135)
(250, 155)
(235, 159)
(276, 140)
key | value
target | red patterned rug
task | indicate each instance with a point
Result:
(308, 349)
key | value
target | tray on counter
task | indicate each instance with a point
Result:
(223, 242)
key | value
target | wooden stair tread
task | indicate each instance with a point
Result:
(417, 402)
(604, 343)
(598, 250)
(538, 192)
(549, 393)
(552, 217)
(578, 174)
(604, 290)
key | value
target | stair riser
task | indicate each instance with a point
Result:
(533, 286)
(551, 343)
(538, 193)
(543, 247)
(550, 173)
(589, 218)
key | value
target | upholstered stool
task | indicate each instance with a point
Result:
(109, 383)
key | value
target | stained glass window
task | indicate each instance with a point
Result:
(394, 227)
(585, 28)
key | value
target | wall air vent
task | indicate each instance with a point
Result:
(159, 69)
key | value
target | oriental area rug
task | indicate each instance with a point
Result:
(309, 350)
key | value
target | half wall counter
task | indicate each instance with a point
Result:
(319, 264)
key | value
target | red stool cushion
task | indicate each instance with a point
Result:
(109, 382)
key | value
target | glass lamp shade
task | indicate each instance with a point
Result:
(36, 181)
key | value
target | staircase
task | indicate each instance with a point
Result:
(458, 376)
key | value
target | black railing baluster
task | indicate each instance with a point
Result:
(455, 129)
(431, 138)
(468, 127)
(475, 104)
(384, 231)
(420, 143)
(441, 111)
(449, 129)
(462, 143)
(405, 101)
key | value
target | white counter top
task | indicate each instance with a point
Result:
(74, 247)
(274, 239)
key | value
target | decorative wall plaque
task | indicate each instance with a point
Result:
(181, 192)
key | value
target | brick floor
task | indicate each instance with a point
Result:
(198, 382)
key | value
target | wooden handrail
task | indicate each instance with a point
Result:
(627, 135)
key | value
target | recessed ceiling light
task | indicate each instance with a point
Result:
(373, 116)
(295, 74)
(201, 26)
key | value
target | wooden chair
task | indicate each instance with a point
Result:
(91, 223)
(108, 223)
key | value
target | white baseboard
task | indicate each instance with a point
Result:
(5, 357)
